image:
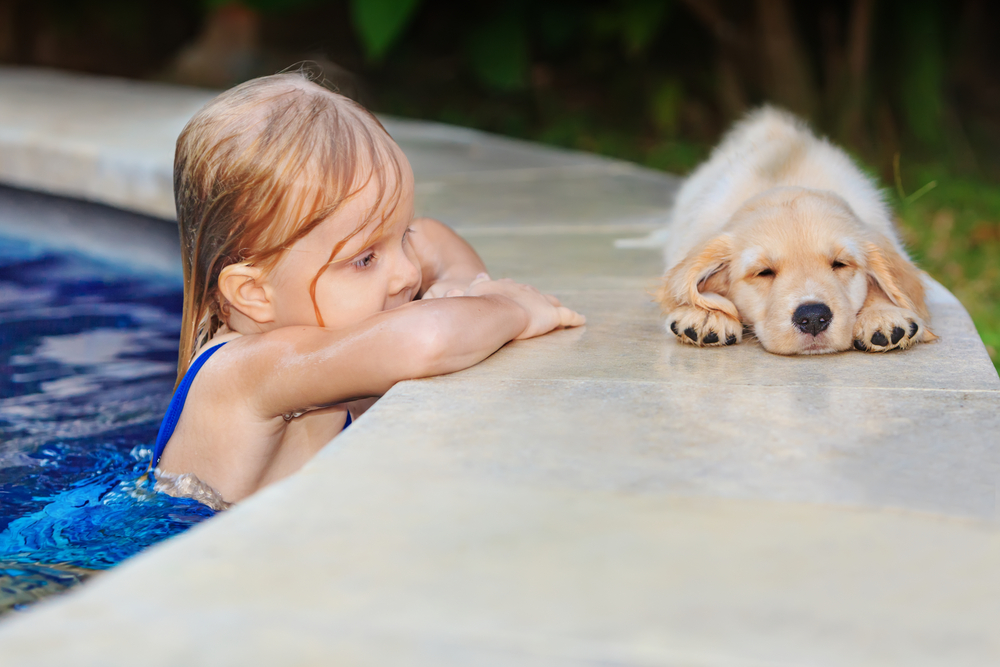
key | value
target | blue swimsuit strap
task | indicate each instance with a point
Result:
(177, 406)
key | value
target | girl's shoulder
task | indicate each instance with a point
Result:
(220, 338)
(259, 374)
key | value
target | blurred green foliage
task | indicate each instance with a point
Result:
(634, 23)
(496, 39)
(379, 23)
(497, 50)
(665, 106)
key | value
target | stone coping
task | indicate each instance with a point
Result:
(112, 141)
(598, 495)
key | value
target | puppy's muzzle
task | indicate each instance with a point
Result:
(812, 318)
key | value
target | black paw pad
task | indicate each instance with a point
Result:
(897, 335)
(859, 345)
(711, 338)
(673, 327)
(913, 329)
(691, 333)
(731, 339)
(878, 338)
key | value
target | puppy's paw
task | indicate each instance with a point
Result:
(704, 328)
(885, 328)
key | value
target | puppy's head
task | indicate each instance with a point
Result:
(797, 265)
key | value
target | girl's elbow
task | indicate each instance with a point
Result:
(429, 352)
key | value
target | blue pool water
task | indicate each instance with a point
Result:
(88, 354)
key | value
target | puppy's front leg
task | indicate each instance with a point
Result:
(705, 328)
(883, 326)
(692, 295)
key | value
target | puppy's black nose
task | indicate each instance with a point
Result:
(811, 318)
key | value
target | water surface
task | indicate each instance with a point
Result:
(88, 353)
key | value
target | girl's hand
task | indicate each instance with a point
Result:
(447, 263)
(443, 288)
(545, 313)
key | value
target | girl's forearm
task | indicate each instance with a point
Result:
(463, 331)
(316, 366)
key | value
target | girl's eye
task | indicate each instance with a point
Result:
(765, 273)
(837, 264)
(365, 261)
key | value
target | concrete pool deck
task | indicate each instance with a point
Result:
(595, 496)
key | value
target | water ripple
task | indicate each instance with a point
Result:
(87, 359)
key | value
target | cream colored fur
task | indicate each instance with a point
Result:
(777, 219)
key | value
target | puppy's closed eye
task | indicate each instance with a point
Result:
(765, 273)
(837, 264)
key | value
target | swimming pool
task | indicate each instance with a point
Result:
(88, 349)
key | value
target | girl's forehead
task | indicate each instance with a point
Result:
(371, 209)
(391, 175)
(378, 193)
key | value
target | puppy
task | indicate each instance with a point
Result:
(779, 231)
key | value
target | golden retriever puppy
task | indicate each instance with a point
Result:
(780, 232)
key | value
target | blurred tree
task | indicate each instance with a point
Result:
(763, 55)
(921, 86)
(786, 71)
(847, 70)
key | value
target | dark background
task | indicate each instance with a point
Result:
(910, 87)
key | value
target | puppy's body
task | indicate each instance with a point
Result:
(779, 230)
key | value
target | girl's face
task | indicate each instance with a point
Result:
(367, 278)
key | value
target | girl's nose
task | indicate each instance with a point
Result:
(406, 275)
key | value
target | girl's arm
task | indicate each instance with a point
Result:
(295, 368)
(447, 263)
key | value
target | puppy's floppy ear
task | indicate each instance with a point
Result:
(702, 268)
(895, 275)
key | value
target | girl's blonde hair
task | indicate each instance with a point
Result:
(257, 169)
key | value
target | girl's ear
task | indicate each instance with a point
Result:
(243, 288)
(703, 269)
(896, 276)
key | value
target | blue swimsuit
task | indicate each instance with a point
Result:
(177, 405)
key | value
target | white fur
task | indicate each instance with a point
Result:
(768, 149)
(749, 257)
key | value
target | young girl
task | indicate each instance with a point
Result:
(308, 285)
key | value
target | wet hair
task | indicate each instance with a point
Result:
(258, 168)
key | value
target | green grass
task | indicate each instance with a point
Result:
(953, 232)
